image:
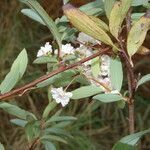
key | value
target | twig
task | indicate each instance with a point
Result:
(33, 84)
(131, 82)
(33, 144)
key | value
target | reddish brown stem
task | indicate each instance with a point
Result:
(131, 80)
(33, 144)
(131, 118)
(33, 84)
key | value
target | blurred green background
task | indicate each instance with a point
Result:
(99, 125)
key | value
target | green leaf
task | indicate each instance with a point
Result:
(33, 130)
(14, 110)
(68, 34)
(45, 59)
(45, 17)
(17, 70)
(121, 104)
(147, 5)
(62, 124)
(93, 8)
(19, 122)
(69, 57)
(86, 91)
(53, 138)
(137, 34)
(57, 131)
(59, 118)
(1, 147)
(100, 23)
(136, 16)
(95, 66)
(33, 15)
(130, 141)
(108, 7)
(48, 145)
(17, 111)
(117, 16)
(62, 77)
(143, 80)
(133, 138)
(85, 24)
(121, 146)
(139, 2)
(49, 108)
(116, 74)
(107, 98)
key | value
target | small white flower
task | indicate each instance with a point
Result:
(105, 65)
(61, 96)
(84, 38)
(84, 52)
(44, 50)
(67, 49)
(105, 59)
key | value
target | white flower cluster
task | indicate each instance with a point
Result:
(44, 50)
(66, 49)
(61, 96)
(104, 76)
(84, 38)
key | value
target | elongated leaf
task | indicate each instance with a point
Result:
(133, 138)
(17, 70)
(44, 60)
(95, 66)
(117, 16)
(17, 111)
(121, 146)
(137, 34)
(49, 108)
(129, 142)
(53, 138)
(143, 80)
(62, 76)
(57, 131)
(93, 8)
(108, 7)
(33, 15)
(60, 118)
(86, 91)
(14, 110)
(48, 145)
(116, 74)
(139, 2)
(136, 16)
(100, 23)
(1, 147)
(62, 124)
(45, 17)
(19, 122)
(107, 98)
(33, 130)
(85, 24)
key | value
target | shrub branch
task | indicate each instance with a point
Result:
(22, 90)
